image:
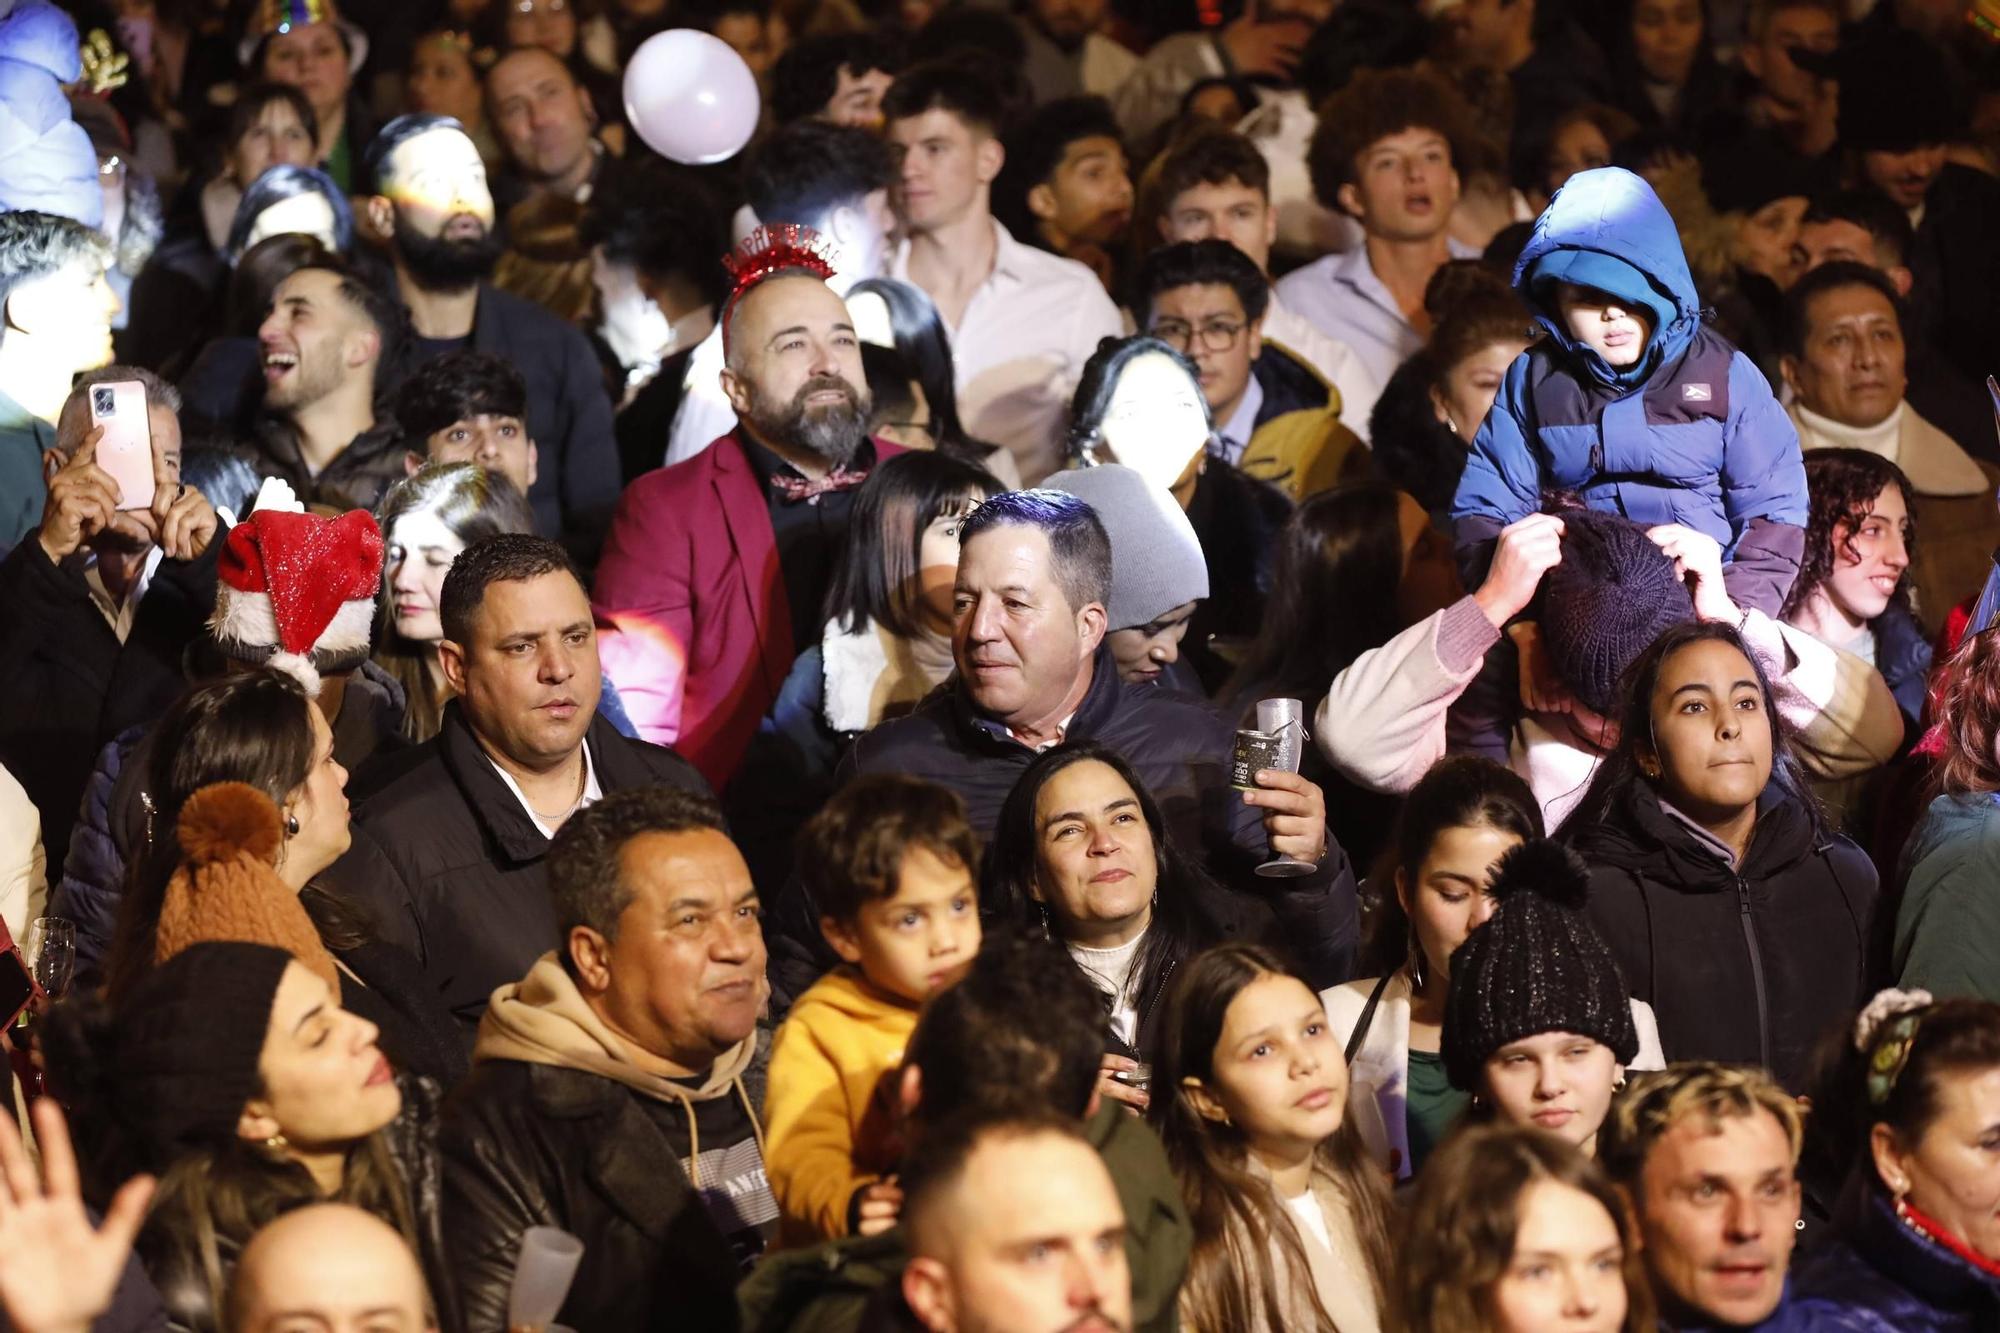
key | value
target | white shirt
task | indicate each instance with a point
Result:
(119, 615)
(1235, 433)
(1111, 969)
(704, 415)
(1019, 349)
(1310, 1218)
(592, 793)
(1342, 297)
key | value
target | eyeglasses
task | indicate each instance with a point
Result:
(1217, 335)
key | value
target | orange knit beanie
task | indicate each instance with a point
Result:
(226, 886)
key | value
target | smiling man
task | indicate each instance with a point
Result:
(465, 819)
(613, 1087)
(1383, 154)
(1708, 1155)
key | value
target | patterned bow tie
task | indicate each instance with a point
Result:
(795, 489)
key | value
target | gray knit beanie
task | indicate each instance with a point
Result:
(1612, 595)
(1536, 966)
(1156, 560)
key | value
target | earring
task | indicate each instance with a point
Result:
(1046, 928)
(276, 1143)
(1416, 963)
(291, 826)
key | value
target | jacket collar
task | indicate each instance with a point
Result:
(1929, 1271)
(1100, 704)
(1649, 834)
(494, 808)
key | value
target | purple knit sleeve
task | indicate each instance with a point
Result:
(1463, 636)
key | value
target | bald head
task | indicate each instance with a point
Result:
(543, 115)
(330, 1267)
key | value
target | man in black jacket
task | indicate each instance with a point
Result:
(97, 605)
(615, 1087)
(433, 203)
(465, 818)
(1034, 572)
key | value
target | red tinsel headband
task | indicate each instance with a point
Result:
(767, 252)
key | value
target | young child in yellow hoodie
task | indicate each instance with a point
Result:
(890, 862)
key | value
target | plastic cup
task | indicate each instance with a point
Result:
(548, 1263)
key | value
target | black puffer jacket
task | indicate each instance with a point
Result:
(1179, 746)
(1750, 967)
(462, 884)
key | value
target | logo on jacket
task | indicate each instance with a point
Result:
(1695, 393)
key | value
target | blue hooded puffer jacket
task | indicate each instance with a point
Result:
(1691, 435)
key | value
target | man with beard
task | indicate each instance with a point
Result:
(715, 568)
(432, 202)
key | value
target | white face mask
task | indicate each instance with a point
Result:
(1156, 422)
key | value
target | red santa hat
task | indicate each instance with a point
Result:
(296, 592)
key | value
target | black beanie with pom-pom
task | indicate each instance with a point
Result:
(1536, 966)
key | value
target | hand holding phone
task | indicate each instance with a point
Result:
(125, 450)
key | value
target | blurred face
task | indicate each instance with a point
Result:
(542, 114)
(1852, 369)
(1068, 22)
(1566, 1272)
(1602, 322)
(68, 313)
(437, 183)
(1277, 1070)
(1767, 240)
(857, 98)
(1954, 1172)
(312, 340)
(1021, 648)
(1231, 211)
(920, 938)
(1823, 242)
(312, 59)
(1029, 1239)
(1404, 187)
(529, 677)
(1470, 387)
(795, 373)
(1711, 730)
(547, 24)
(307, 214)
(1449, 896)
(1430, 572)
(421, 549)
(686, 973)
(947, 166)
(1666, 34)
(320, 805)
(1905, 177)
(760, 41)
(1718, 1214)
(1143, 652)
(1770, 63)
(1156, 421)
(329, 1269)
(1095, 863)
(443, 82)
(1089, 196)
(326, 1083)
(278, 138)
(1207, 322)
(1869, 561)
(937, 561)
(1578, 146)
(1556, 1081)
(497, 443)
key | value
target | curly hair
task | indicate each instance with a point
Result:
(1969, 717)
(1844, 484)
(1377, 104)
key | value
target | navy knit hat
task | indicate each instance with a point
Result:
(1612, 595)
(176, 1062)
(1536, 966)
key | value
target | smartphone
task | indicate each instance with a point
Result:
(17, 984)
(126, 448)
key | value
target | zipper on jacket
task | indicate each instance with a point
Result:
(1756, 971)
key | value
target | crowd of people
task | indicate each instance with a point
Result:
(1289, 665)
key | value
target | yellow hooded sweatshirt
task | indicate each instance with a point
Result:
(827, 1128)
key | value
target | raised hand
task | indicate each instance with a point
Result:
(1528, 548)
(57, 1271)
(1294, 813)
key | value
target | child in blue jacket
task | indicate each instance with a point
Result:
(1631, 403)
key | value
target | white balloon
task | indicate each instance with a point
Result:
(691, 97)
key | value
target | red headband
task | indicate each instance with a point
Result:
(767, 252)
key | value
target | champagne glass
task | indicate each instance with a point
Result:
(51, 954)
(1277, 743)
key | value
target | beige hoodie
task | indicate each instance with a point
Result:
(543, 1019)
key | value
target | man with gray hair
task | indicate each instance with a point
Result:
(716, 568)
(1034, 670)
(56, 308)
(99, 602)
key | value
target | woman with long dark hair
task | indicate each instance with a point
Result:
(232, 1073)
(1731, 907)
(1291, 1215)
(906, 350)
(260, 728)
